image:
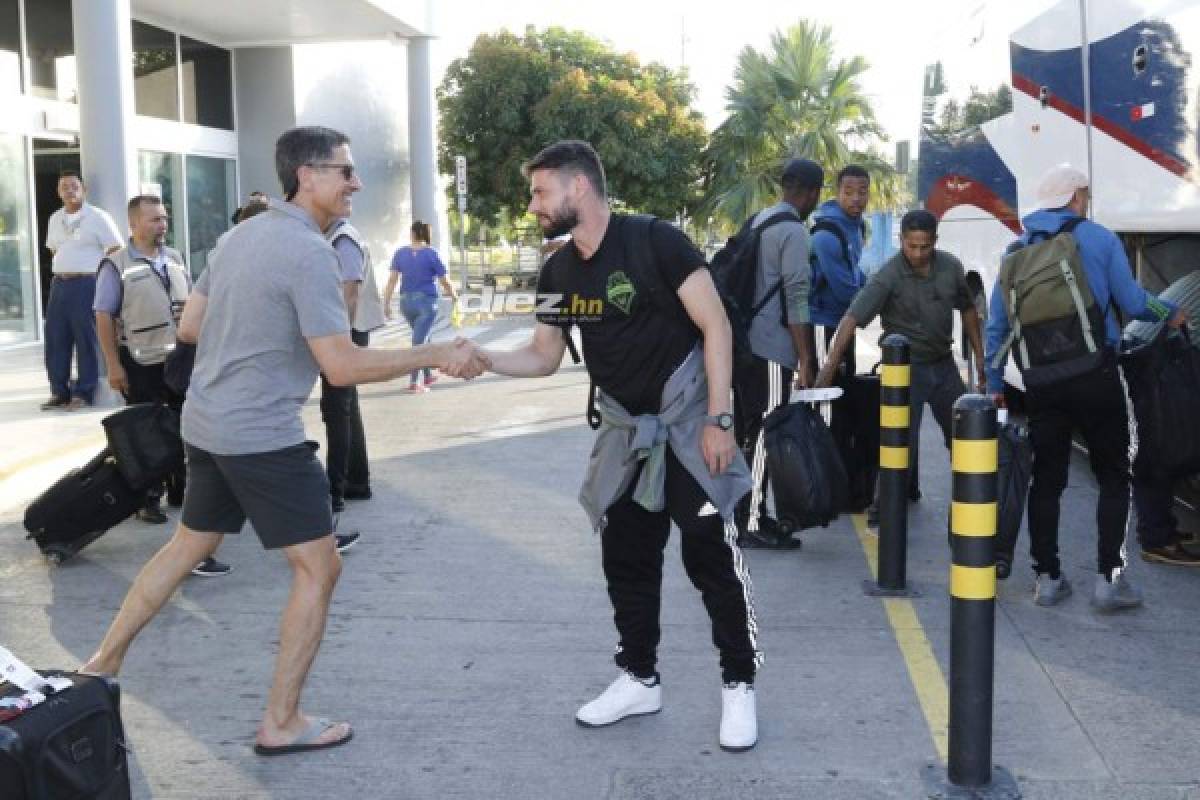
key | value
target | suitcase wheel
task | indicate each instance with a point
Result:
(55, 556)
(787, 526)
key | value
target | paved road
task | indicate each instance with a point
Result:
(472, 620)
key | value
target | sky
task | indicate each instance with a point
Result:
(897, 39)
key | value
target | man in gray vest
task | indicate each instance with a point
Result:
(140, 292)
(346, 460)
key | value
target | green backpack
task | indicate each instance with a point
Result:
(1057, 327)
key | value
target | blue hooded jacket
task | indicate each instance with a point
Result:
(834, 282)
(1109, 277)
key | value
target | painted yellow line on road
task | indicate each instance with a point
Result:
(91, 443)
(923, 668)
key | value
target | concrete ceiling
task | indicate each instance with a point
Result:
(259, 23)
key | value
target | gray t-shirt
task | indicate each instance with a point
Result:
(782, 253)
(921, 308)
(273, 283)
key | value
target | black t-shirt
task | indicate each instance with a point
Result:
(630, 343)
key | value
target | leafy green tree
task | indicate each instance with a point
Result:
(513, 95)
(978, 108)
(793, 100)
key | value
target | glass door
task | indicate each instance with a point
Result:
(18, 297)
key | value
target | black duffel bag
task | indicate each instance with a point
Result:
(807, 476)
(145, 442)
(1012, 490)
(72, 745)
(1163, 376)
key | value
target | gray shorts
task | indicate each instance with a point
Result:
(284, 493)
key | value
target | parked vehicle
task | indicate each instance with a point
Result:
(1110, 86)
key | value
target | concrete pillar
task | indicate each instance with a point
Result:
(104, 64)
(422, 140)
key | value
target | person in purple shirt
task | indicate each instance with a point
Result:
(422, 269)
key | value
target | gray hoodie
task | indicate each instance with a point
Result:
(624, 441)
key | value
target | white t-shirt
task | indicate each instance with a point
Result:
(80, 240)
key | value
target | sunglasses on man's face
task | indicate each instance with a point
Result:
(347, 169)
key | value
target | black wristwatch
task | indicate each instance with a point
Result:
(724, 420)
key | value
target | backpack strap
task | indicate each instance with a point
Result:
(1070, 225)
(774, 219)
(829, 226)
(1081, 309)
(641, 266)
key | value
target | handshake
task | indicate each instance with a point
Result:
(462, 358)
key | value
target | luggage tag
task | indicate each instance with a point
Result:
(816, 395)
(16, 672)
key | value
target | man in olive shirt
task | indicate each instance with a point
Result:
(915, 294)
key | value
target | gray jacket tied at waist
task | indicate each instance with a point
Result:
(624, 441)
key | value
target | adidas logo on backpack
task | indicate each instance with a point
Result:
(1057, 327)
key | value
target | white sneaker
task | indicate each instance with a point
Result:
(1115, 595)
(625, 697)
(739, 718)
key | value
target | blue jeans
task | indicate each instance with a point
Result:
(420, 310)
(71, 329)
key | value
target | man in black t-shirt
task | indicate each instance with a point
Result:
(644, 303)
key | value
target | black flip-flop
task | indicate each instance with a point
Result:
(307, 740)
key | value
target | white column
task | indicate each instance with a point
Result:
(422, 139)
(104, 66)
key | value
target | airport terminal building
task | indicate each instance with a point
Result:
(184, 98)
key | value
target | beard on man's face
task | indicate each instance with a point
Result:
(561, 222)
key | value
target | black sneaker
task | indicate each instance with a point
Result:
(54, 402)
(1174, 553)
(211, 568)
(152, 515)
(339, 504)
(345, 541)
(767, 537)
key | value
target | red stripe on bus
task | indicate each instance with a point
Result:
(1160, 157)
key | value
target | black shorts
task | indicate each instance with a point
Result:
(284, 493)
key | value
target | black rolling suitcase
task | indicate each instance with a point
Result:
(854, 424)
(80, 508)
(69, 747)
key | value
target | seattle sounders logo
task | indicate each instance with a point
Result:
(620, 291)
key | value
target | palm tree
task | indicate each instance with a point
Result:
(792, 101)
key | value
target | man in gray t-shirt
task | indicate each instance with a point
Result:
(778, 338)
(269, 315)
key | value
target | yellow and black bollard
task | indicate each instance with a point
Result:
(974, 459)
(894, 438)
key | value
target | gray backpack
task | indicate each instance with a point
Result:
(1057, 327)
